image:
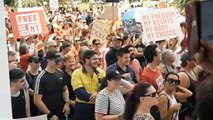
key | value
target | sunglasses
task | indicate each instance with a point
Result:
(173, 81)
(36, 61)
(55, 46)
(97, 43)
(151, 95)
(13, 61)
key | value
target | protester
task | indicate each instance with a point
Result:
(12, 60)
(85, 82)
(68, 66)
(31, 75)
(122, 65)
(152, 73)
(110, 103)
(140, 101)
(65, 48)
(51, 93)
(97, 47)
(168, 59)
(111, 54)
(19, 97)
(134, 63)
(188, 80)
(168, 105)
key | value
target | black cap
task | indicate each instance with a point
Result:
(113, 74)
(33, 58)
(186, 56)
(54, 55)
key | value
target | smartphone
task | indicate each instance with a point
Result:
(199, 21)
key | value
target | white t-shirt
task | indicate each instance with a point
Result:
(117, 102)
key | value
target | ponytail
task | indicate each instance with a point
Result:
(130, 107)
(103, 84)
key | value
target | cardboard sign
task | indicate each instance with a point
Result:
(110, 13)
(129, 26)
(99, 30)
(160, 24)
(28, 23)
(54, 5)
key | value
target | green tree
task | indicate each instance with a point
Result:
(29, 3)
(9, 2)
(181, 3)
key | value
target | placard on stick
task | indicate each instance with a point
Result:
(160, 24)
(129, 26)
(28, 23)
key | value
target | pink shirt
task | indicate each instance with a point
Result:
(135, 64)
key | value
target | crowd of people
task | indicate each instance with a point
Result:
(68, 76)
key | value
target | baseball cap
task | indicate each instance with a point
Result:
(186, 56)
(113, 74)
(33, 58)
(54, 55)
(117, 38)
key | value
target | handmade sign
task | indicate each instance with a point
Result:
(129, 26)
(100, 30)
(54, 5)
(160, 24)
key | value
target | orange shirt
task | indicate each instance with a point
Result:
(153, 77)
(24, 61)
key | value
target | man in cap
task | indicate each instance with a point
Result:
(188, 79)
(31, 75)
(111, 54)
(51, 93)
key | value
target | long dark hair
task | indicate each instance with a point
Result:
(134, 99)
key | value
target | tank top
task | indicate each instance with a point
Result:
(192, 88)
(172, 101)
(19, 105)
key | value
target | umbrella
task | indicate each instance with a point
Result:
(134, 13)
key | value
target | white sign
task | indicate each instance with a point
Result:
(54, 5)
(160, 24)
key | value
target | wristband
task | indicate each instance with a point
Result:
(50, 115)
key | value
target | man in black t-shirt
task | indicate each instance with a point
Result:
(51, 93)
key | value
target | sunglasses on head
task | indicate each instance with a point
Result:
(173, 81)
(151, 95)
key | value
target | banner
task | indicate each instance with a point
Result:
(99, 30)
(160, 24)
(129, 26)
(28, 23)
(54, 5)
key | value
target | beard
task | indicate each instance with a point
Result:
(93, 65)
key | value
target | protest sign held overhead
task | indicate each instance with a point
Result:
(54, 5)
(160, 24)
(129, 26)
(110, 13)
(28, 23)
(99, 30)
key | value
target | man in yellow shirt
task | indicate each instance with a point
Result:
(85, 82)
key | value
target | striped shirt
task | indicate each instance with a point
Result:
(117, 102)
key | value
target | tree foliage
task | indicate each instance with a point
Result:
(182, 3)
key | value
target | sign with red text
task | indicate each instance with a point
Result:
(28, 23)
(160, 24)
(100, 30)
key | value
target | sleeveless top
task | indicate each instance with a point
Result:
(192, 88)
(172, 101)
(19, 105)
